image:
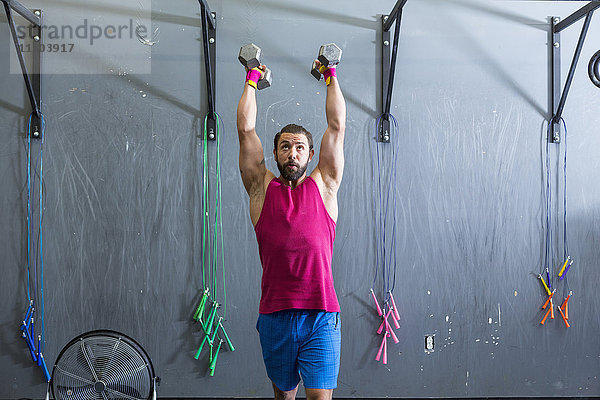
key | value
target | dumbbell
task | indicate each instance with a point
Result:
(329, 56)
(265, 81)
(250, 56)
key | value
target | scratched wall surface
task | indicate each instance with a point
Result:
(123, 167)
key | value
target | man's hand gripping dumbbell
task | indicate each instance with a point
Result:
(258, 76)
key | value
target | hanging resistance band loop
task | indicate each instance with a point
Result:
(34, 331)
(384, 170)
(212, 245)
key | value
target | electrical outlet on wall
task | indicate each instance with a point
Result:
(429, 343)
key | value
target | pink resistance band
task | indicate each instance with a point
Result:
(376, 303)
(253, 76)
(394, 305)
(328, 74)
(381, 349)
(385, 328)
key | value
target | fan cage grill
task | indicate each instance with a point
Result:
(102, 366)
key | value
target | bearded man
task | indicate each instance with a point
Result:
(294, 217)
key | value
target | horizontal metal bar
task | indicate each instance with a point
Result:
(576, 16)
(393, 15)
(24, 11)
(211, 19)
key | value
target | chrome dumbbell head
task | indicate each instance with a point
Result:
(330, 55)
(250, 55)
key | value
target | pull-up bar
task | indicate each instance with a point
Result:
(33, 83)
(557, 101)
(209, 38)
(388, 66)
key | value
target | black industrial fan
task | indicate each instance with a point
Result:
(103, 365)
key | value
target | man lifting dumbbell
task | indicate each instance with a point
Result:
(294, 218)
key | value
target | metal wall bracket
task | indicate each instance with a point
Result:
(388, 65)
(554, 42)
(33, 81)
(209, 40)
(557, 100)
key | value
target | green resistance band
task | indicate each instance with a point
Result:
(200, 310)
(211, 318)
(213, 364)
(231, 348)
(208, 316)
(211, 339)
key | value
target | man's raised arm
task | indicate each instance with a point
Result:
(252, 161)
(331, 156)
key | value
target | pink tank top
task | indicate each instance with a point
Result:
(295, 241)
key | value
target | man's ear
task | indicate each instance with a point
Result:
(275, 154)
(311, 154)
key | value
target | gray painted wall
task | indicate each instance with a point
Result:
(123, 167)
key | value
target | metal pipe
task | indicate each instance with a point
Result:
(24, 11)
(206, 10)
(208, 70)
(388, 99)
(13, 32)
(576, 16)
(563, 98)
(396, 11)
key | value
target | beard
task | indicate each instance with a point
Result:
(290, 174)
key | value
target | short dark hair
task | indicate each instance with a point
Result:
(293, 128)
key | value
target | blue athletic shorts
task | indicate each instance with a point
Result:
(301, 343)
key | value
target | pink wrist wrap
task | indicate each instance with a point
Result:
(253, 76)
(328, 74)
